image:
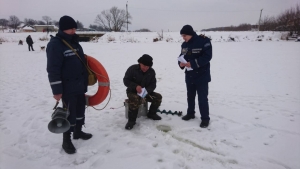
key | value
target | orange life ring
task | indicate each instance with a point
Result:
(103, 82)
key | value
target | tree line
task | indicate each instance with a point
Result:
(113, 19)
(13, 22)
(289, 20)
(241, 27)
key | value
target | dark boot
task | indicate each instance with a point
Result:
(129, 125)
(204, 123)
(78, 133)
(67, 143)
(188, 117)
(152, 113)
(132, 115)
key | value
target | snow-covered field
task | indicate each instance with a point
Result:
(254, 102)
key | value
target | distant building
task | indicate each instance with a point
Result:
(2, 28)
(28, 29)
(45, 28)
(22, 25)
(86, 29)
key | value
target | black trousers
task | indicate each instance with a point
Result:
(76, 106)
(202, 91)
(30, 46)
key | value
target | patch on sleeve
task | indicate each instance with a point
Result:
(197, 50)
(70, 52)
(184, 51)
(207, 44)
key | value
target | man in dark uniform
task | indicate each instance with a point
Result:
(29, 41)
(140, 76)
(197, 51)
(68, 79)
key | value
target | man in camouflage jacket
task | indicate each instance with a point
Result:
(140, 76)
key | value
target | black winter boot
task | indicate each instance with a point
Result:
(78, 133)
(67, 143)
(152, 113)
(132, 115)
(129, 125)
(204, 123)
(153, 116)
(188, 117)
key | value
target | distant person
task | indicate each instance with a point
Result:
(68, 79)
(20, 42)
(139, 76)
(29, 42)
(197, 51)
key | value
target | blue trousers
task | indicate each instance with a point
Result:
(76, 106)
(202, 91)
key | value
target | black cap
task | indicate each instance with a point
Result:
(146, 60)
(67, 22)
(187, 30)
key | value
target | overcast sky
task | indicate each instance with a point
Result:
(152, 14)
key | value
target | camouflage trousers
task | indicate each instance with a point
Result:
(134, 100)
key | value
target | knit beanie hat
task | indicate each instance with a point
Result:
(146, 60)
(67, 22)
(187, 30)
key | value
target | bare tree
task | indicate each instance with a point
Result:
(14, 21)
(47, 19)
(79, 25)
(294, 23)
(113, 19)
(268, 23)
(285, 18)
(54, 22)
(29, 22)
(4, 23)
(41, 23)
(97, 28)
(290, 20)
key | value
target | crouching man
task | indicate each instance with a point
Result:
(137, 77)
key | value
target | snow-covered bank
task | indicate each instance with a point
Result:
(147, 37)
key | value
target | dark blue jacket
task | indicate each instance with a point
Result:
(67, 74)
(29, 40)
(197, 51)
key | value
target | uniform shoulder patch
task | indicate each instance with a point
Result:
(205, 37)
(207, 44)
(202, 35)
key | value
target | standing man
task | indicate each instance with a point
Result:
(197, 52)
(140, 76)
(68, 79)
(29, 42)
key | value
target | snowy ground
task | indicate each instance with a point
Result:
(254, 106)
